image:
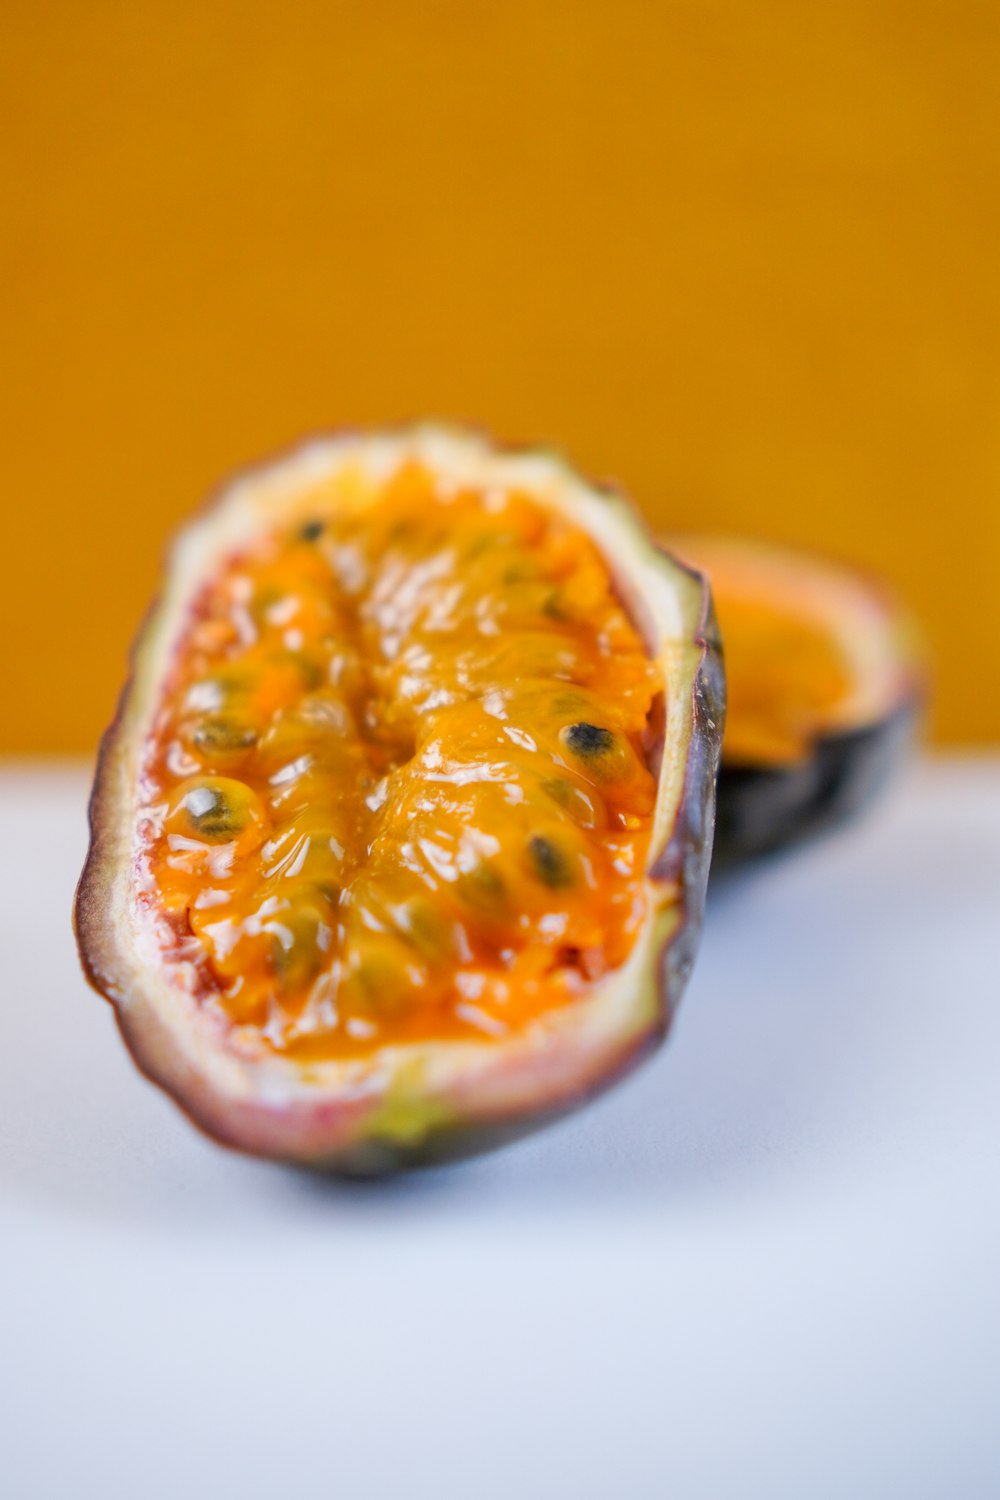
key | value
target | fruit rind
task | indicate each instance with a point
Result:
(761, 809)
(430, 1100)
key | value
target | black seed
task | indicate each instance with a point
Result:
(588, 740)
(549, 863)
(311, 531)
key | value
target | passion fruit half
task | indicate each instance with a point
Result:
(401, 835)
(824, 685)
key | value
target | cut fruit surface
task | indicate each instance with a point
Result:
(384, 724)
(823, 684)
(400, 839)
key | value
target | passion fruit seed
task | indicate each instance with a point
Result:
(311, 531)
(421, 924)
(559, 789)
(218, 809)
(483, 890)
(588, 741)
(586, 809)
(302, 937)
(310, 671)
(223, 736)
(383, 979)
(607, 759)
(549, 863)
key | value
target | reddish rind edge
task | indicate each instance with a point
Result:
(497, 1090)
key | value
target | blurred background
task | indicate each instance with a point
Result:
(741, 257)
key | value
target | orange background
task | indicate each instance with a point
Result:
(741, 256)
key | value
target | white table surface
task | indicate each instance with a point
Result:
(768, 1265)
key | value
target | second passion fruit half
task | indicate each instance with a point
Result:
(400, 838)
(824, 683)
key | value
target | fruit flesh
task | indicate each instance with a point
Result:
(812, 649)
(397, 787)
(786, 676)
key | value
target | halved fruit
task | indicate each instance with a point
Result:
(401, 835)
(824, 683)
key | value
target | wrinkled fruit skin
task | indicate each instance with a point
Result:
(447, 1107)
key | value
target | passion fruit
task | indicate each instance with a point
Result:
(824, 685)
(447, 884)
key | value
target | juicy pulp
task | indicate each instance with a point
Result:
(398, 787)
(812, 648)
